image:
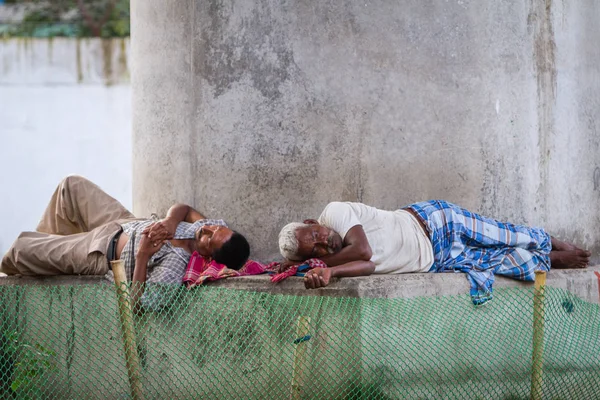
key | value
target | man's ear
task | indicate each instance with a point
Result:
(311, 221)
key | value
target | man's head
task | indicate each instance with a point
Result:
(301, 241)
(223, 245)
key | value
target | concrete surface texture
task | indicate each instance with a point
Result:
(65, 108)
(261, 111)
(582, 283)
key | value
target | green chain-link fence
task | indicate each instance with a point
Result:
(67, 342)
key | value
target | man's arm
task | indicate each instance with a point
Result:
(176, 214)
(320, 277)
(140, 271)
(183, 212)
(356, 248)
(138, 284)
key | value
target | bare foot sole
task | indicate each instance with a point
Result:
(569, 258)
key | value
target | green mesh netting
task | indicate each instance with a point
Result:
(68, 342)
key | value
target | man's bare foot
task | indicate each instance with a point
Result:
(569, 258)
(560, 245)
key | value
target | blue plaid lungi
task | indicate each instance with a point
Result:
(482, 247)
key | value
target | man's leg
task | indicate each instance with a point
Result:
(79, 205)
(38, 253)
(482, 247)
(467, 229)
(452, 225)
(488, 232)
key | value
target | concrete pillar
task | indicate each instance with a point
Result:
(262, 111)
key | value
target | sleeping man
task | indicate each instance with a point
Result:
(354, 239)
(83, 229)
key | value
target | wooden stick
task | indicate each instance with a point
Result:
(537, 376)
(301, 343)
(598, 276)
(126, 316)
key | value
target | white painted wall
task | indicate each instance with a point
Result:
(52, 126)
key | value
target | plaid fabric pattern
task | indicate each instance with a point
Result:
(482, 247)
(299, 269)
(166, 267)
(200, 270)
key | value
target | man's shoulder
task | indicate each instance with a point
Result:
(345, 206)
(340, 211)
(334, 208)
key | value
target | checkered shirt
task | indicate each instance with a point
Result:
(166, 267)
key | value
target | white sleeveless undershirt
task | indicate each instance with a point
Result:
(397, 240)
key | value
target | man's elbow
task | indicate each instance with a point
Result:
(370, 268)
(366, 253)
(183, 206)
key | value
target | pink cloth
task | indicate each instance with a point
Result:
(199, 270)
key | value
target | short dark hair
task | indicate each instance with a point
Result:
(233, 253)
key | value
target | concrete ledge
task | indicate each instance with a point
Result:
(582, 283)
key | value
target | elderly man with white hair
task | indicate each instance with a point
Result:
(354, 239)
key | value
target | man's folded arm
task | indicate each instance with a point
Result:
(353, 268)
(176, 214)
(356, 248)
(183, 212)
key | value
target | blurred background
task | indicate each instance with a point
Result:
(65, 103)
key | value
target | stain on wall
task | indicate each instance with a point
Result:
(544, 55)
(64, 61)
(259, 50)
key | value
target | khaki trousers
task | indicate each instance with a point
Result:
(73, 235)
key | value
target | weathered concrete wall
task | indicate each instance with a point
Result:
(65, 108)
(263, 111)
(64, 61)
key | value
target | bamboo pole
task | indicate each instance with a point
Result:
(537, 377)
(598, 276)
(126, 317)
(302, 330)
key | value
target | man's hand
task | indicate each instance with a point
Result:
(150, 246)
(160, 231)
(285, 265)
(317, 277)
(320, 277)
